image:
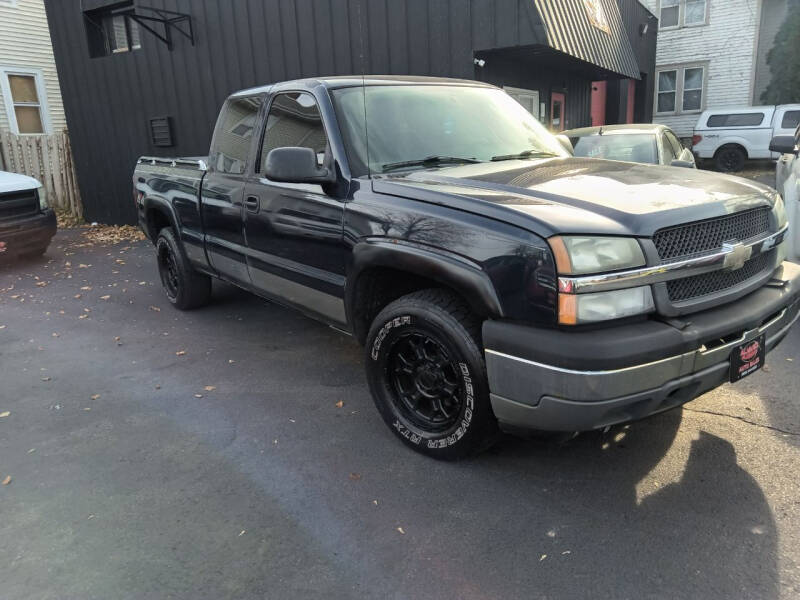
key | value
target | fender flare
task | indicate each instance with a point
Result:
(454, 271)
(150, 203)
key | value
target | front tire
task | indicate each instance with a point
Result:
(185, 288)
(427, 375)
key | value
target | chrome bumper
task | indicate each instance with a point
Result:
(532, 395)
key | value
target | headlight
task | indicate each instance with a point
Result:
(40, 191)
(780, 211)
(580, 255)
(575, 309)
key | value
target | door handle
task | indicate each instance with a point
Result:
(252, 203)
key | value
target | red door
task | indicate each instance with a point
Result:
(557, 111)
(599, 93)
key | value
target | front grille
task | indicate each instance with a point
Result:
(709, 235)
(18, 204)
(697, 286)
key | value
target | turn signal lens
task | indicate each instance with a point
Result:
(575, 309)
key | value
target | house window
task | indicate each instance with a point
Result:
(680, 90)
(677, 13)
(25, 100)
(112, 31)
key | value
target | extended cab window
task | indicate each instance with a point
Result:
(736, 120)
(294, 120)
(234, 133)
(791, 119)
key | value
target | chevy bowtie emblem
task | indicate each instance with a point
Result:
(736, 255)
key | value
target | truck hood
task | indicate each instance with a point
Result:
(580, 195)
(14, 182)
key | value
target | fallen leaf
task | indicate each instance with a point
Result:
(83, 266)
(83, 316)
(87, 408)
(210, 388)
(95, 396)
(86, 288)
(355, 476)
(242, 532)
(41, 284)
(7, 480)
(116, 338)
(375, 502)
(158, 387)
(3, 327)
(104, 297)
(339, 404)
(542, 557)
(400, 529)
(230, 362)
(55, 334)
(198, 395)
(566, 552)
(45, 379)
(4, 414)
(142, 283)
(155, 309)
(180, 353)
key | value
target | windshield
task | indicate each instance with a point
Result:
(633, 147)
(424, 126)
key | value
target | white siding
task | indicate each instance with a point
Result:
(727, 43)
(25, 42)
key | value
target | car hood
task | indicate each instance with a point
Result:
(580, 195)
(14, 182)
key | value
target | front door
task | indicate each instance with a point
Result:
(557, 111)
(294, 231)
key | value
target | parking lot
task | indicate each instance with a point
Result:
(234, 452)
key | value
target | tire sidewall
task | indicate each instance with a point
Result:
(470, 428)
(739, 163)
(166, 242)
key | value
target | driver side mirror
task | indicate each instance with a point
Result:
(296, 165)
(688, 164)
(783, 144)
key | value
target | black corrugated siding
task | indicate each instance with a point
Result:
(242, 43)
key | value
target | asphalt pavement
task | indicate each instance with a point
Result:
(234, 452)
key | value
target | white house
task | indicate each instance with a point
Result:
(30, 97)
(711, 54)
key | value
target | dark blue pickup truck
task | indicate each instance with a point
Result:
(497, 282)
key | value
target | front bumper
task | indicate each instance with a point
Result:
(558, 380)
(28, 234)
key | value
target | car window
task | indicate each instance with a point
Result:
(736, 120)
(676, 145)
(294, 120)
(635, 147)
(233, 134)
(791, 119)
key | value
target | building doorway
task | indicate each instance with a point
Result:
(558, 109)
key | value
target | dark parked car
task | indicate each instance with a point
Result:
(26, 223)
(650, 144)
(496, 281)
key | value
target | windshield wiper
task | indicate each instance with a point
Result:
(428, 161)
(524, 154)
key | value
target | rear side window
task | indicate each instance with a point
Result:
(791, 119)
(736, 120)
(233, 134)
(294, 120)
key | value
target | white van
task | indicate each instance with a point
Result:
(732, 135)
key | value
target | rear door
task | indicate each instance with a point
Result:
(223, 188)
(296, 253)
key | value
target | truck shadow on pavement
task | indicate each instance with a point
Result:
(708, 532)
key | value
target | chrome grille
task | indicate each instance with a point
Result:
(709, 235)
(697, 286)
(18, 204)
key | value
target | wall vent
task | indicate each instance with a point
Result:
(161, 131)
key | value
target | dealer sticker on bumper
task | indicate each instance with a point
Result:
(748, 358)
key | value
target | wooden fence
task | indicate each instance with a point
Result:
(48, 158)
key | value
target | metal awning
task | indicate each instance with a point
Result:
(589, 30)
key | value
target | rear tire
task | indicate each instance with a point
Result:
(427, 375)
(730, 158)
(185, 288)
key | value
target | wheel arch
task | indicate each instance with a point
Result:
(158, 214)
(385, 270)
